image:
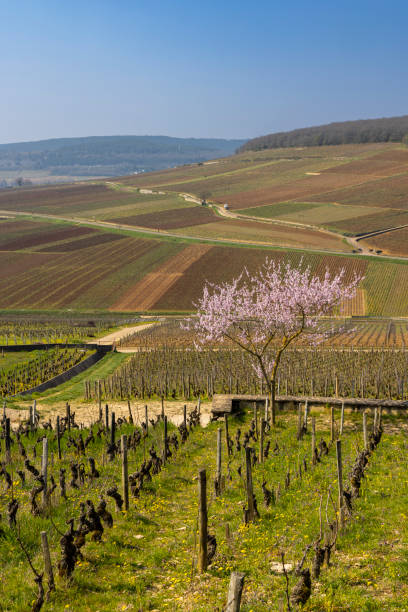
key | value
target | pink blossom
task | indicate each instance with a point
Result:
(276, 304)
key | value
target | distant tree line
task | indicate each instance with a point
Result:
(110, 155)
(391, 129)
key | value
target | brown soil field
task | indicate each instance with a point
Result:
(303, 189)
(83, 243)
(392, 243)
(371, 223)
(100, 264)
(13, 264)
(269, 233)
(52, 235)
(171, 219)
(155, 284)
(397, 155)
(64, 199)
(224, 263)
(218, 264)
(381, 164)
(63, 277)
(388, 193)
(18, 226)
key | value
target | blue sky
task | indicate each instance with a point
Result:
(205, 69)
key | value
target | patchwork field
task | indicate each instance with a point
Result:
(79, 268)
(349, 190)
(353, 181)
(279, 235)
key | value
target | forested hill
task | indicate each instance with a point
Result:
(391, 129)
(110, 155)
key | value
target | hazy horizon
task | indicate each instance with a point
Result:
(232, 70)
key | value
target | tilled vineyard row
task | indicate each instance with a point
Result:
(174, 373)
(342, 333)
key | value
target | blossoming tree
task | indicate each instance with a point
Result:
(265, 312)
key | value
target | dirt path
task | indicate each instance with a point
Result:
(88, 413)
(121, 333)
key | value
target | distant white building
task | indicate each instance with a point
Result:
(226, 206)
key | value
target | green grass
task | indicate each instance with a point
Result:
(273, 211)
(148, 560)
(11, 359)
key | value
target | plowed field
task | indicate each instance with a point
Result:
(154, 285)
(171, 219)
(393, 243)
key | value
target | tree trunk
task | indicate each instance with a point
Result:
(272, 401)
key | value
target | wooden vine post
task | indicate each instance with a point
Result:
(219, 468)
(340, 483)
(341, 419)
(235, 589)
(306, 415)
(8, 441)
(100, 401)
(113, 429)
(256, 420)
(130, 413)
(249, 485)
(147, 418)
(261, 441)
(44, 468)
(185, 416)
(299, 426)
(106, 417)
(332, 425)
(47, 561)
(375, 420)
(365, 430)
(203, 521)
(59, 438)
(227, 435)
(313, 440)
(165, 441)
(125, 475)
(68, 409)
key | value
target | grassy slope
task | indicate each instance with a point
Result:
(148, 560)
